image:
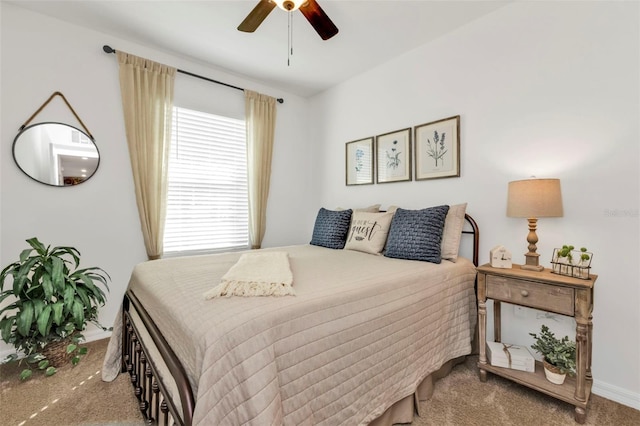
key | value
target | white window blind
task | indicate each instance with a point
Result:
(207, 206)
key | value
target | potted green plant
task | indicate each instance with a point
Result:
(571, 262)
(559, 355)
(54, 301)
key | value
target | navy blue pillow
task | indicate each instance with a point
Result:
(417, 234)
(331, 228)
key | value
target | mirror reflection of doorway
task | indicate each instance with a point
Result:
(75, 169)
(56, 154)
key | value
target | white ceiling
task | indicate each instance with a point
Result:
(371, 32)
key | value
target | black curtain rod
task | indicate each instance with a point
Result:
(109, 49)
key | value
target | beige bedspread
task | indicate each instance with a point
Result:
(360, 334)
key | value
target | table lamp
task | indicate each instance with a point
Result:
(534, 198)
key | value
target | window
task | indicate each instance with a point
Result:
(207, 205)
(78, 137)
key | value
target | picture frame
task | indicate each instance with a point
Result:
(393, 156)
(437, 149)
(359, 158)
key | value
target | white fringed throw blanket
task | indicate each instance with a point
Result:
(256, 274)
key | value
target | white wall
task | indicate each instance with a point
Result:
(41, 55)
(543, 88)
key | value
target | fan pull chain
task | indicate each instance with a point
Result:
(290, 40)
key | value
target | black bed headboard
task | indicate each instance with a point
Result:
(476, 236)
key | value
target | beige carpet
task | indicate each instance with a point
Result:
(77, 396)
(73, 396)
(461, 399)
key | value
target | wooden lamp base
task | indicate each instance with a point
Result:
(532, 258)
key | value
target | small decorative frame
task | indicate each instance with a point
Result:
(359, 162)
(393, 156)
(437, 149)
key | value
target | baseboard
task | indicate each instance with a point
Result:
(96, 335)
(617, 394)
(5, 353)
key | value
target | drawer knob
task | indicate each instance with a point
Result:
(524, 293)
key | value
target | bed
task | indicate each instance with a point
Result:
(360, 342)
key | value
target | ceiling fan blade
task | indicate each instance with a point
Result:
(318, 19)
(256, 16)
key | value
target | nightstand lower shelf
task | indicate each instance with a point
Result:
(537, 380)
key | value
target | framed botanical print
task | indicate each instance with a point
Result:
(437, 149)
(359, 162)
(393, 156)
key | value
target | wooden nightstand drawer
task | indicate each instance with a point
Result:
(532, 294)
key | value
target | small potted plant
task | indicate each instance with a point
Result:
(571, 262)
(565, 258)
(559, 355)
(583, 263)
(50, 303)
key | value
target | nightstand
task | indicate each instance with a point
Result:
(549, 292)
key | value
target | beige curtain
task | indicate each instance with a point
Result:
(260, 114)
(147, 101)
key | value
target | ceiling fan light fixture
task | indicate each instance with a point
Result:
(309, 8)
(289, 5)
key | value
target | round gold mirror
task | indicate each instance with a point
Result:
(55, 154)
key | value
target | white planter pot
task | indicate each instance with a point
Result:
(553, 377)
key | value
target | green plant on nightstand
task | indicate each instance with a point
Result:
(584, 256)
(570, 262)
(565, 252)
(559, 354)
(54, 301)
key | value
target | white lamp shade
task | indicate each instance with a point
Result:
(533, 198)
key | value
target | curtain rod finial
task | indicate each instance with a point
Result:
(108, 49)
(280, 100)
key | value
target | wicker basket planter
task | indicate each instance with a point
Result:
(56, 352)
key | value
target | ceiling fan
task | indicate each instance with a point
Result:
(309, 8)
